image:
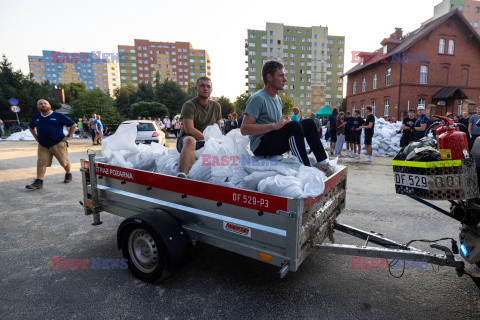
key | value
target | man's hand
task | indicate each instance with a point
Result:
(279, 125)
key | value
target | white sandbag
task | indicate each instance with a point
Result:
(168, 164)
(213, 133)
(24, 135)
(238, 174)
(283, 186)
(313, 181)
(251, 181)
(118, 159)
(123, 139)
(237, 142)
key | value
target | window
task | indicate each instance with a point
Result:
(441, 46)
(423, 74)
(271, 33)
(451, 46)
(475, 25)
(363, 109)
(354, 87)
(468, 9)
(252, 36)
(363, 84)
(387, 105)
(477, 9)
(374, 81)
(251, 44)
(373, 107)
(460, 8)
(421, 102)
(387, 77)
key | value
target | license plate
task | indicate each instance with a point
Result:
(411, 180)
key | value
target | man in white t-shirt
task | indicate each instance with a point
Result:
(167, 124)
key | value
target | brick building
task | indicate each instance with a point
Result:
(174, 61)
(437, 65)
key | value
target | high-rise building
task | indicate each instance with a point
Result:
(313, 59)
(469, 8)
(174, 61)
(65, 67)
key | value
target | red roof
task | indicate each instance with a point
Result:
(409, 40)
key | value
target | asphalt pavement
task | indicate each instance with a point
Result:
(42, 226)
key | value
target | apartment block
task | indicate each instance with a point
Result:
(173, 61)
(313, 59)
(469, 8)
(65, 67)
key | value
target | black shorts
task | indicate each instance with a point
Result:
(356, 137)
(333, 136)
(368, 139)
(348, 135)
(405, 140)
(199, 145)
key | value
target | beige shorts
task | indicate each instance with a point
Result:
(45, 155)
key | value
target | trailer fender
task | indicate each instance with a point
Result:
(169, 231)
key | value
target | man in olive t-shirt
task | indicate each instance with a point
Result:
(197, 114)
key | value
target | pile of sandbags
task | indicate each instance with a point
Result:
(385, 142)
(26, 135)
(224, 160)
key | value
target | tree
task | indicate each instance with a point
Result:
(241, 103)
(343, 107)
(96, 101)
(72, 90)
(122, 98)
(14, 84)
(148, 109)
(287, 103)
(227, 106)
(172, 96)
(191, 93)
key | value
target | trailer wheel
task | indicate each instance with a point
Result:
(145, 252)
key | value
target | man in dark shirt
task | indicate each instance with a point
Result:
(421, 124)
(332, 129)
(197, 114)
(230, 124)
(357, 134)
(349, 133)
(47, 128)
(369, 129)
(407, 128)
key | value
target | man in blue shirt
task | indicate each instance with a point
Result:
(294, 116)
(421, 124)
(272, 135)
(47, 128)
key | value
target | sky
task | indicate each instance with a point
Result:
(219, 26)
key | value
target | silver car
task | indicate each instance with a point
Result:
(147, 132)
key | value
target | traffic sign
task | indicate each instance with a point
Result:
(15, 109)
(13, 101)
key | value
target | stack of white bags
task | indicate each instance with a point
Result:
(385, 141)
(225, 160)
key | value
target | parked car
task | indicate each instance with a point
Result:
(147, 132)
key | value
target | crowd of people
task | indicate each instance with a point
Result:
(92, 127)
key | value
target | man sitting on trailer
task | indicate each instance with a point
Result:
(271, 135)
(197, 114)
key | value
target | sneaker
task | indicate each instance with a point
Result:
(68, 178)
(325, 168)
(367, 159)
(182, 175)
(37, 184)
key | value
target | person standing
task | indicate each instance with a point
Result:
(98, 130)
(407, 128)
(197, 114)
(177, 126)
(271, 135)
(230, 124)
(340, 134)
(421, 124)
(464, 120)
(80, 126)
(295, 114)
(167, 124)
(91, 125)
(357, 134)
(2, 127)
(349, 133)
(474, 127)
(47, 129)
(332, 129)
(85, 127)
(368, 127)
